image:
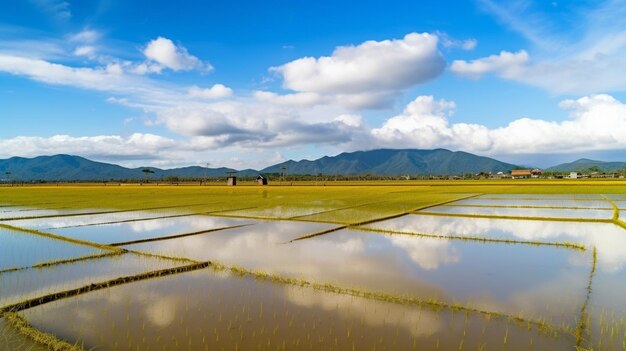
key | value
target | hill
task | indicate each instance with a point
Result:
(76, 168)
(395, 162)
(376, 162)
(585, 164)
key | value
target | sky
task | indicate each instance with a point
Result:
(247, 84)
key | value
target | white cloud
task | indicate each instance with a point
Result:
(215, 92)
(596, 122)
(506, 64)
(136, 145)
(586, 58)
(164, 52)
(86, 50)
(367, 71)
(85, 36)
(99, 78)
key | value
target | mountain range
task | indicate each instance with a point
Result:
(586, 164)
(388, 162)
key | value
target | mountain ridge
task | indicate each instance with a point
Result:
(585, 164)
(383, 162)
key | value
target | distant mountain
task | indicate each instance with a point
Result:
(395, 162)
(584, 164)
(72, 168)
(375, 162)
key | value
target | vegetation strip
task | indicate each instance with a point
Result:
(554, 219)
(99, 286)
(385, 297)
(615, 208)
(178, 235)
(583, 328)
(50, 341)
(95, 212)
(574, 246)
(337, 209)
(65, 261)
(411, 211)
(527, 206)
(59, 237)
(312, 235)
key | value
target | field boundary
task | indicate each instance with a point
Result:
(147, 240)
(59, 237)
(99, 286)
(65, 261)
(549, 219)
(573, 246)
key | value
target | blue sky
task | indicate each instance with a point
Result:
(251, 83)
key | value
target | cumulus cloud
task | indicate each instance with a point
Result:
(215, 92)
(596, 122)
(164, 52)
(506, 63)
(364, 73)
(249, 124)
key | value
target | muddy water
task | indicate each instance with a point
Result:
(204, 310)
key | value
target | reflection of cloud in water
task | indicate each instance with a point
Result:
(374, 313)
(523, 212)
(609, 239)
(161, 311)
(428, 254)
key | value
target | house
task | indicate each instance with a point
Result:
(521, 173)
(261, 180)
(535, 173)
(573, 175)
(231, 180)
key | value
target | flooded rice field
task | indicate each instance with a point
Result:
(490, 272)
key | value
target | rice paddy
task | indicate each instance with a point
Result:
(387, 266)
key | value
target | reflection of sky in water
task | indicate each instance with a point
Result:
(19, 249)
(30, 283)
(6, 215)
(542, 196)
(609, 239)
(535, 203)
(513, 278)
(145, 229)
(216, 311)
(60, 222)
(523, 212)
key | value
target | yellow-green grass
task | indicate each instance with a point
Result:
(192, 198)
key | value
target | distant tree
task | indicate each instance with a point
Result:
(594, 169)
(147, 172)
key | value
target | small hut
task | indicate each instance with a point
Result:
(261, 180)
(231, 180)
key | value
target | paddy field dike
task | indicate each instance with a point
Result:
(411, 265)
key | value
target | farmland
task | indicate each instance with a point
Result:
(441, 265)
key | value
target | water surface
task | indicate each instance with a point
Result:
(510, 278)
(20, 249)
(204, 310)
